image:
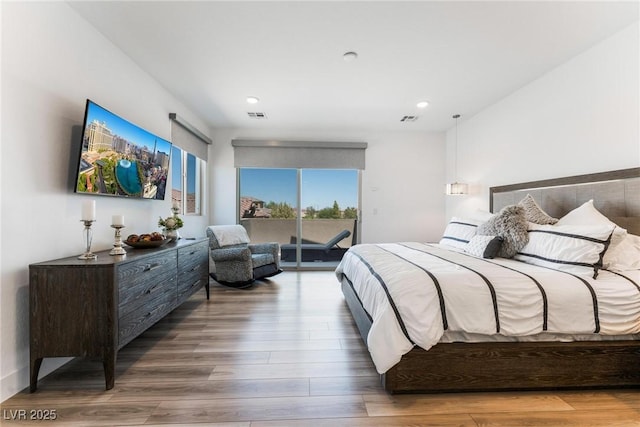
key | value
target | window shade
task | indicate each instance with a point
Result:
(298, 154)
(188, 141)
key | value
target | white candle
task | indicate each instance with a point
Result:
(176, 205)
(89, 210)
(117, 220)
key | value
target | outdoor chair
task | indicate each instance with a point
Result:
(316, 252)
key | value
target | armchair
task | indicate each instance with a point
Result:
(236, 262)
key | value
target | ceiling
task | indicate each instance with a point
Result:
(459, 56)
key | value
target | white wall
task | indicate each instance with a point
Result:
(580, 118)
(402, 184)
(52, 60)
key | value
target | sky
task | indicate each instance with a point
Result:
(320, 187)
(125, 129)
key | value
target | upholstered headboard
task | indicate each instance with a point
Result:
(616, 194)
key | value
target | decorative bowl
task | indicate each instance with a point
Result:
(147, 243)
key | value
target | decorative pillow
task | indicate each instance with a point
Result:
(573, 248)
(534, 213)
(511, 225)
(484, 246)
(587, 214)
(625, 256)
(459, 231)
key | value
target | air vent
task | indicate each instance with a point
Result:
(409, 119)
(257, 115)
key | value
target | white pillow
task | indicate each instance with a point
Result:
(587, 214)
(573, 248)
(459, 232)
(625, 256)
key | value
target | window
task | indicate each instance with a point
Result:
(187, 172)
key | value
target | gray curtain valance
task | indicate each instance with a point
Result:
(298, 154)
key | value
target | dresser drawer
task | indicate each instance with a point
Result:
(144, 295)
(137, 321)
(189, 283)
(137, 281)
(191, 257)
(193, 269)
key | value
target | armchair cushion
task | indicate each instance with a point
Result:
(227, 235)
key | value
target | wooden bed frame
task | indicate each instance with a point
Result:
(529, 365)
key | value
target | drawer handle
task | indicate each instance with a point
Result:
(151, 289)
(195, 283)
(152, 312)
(151, 267)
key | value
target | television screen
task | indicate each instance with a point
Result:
(118, 158)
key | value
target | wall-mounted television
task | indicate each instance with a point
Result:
(118, 158)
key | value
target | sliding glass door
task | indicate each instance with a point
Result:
(329, 213)
(312, 213)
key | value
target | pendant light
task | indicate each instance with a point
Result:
(456, 188)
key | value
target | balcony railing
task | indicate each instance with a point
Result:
(284, 230)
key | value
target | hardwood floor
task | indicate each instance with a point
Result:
(284, 353)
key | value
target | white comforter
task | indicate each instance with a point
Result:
(413, 292)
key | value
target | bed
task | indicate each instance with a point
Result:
(541, 325)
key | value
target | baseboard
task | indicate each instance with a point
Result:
(17, 381)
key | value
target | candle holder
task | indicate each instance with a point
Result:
(117, 244)
(88, 235)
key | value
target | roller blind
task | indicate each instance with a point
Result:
(187, 141)
(298, 154)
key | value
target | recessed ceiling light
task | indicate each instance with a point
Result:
(422, 104)
(350, 56)
(252, 99)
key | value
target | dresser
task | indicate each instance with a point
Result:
(93, 308)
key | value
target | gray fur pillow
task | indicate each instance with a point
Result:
(510, 224)
(534, 213)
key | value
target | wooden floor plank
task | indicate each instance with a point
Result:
(293, 370)
(259, 409)
(599, 400)
(81, 414)
(202, 390)
(386, 405)
(456, 420)
(315, 356)
(348, 385)
(288, 345)
(223, 424)
(152, 359)
(631, 398)
(595, 418)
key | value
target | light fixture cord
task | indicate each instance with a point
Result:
(455, 151)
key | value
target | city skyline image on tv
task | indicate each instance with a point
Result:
(119, 158)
